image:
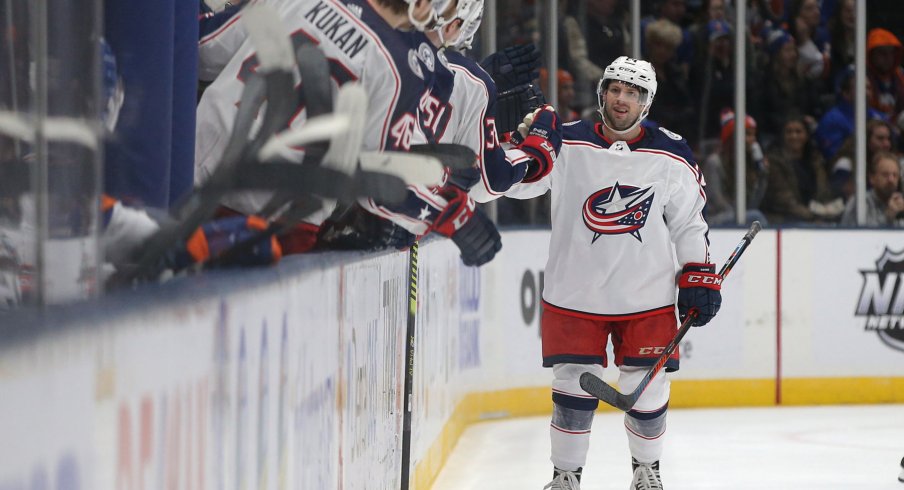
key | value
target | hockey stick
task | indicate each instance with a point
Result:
(275, 79)
(409, 367)
(625, 401)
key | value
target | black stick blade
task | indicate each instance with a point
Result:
(602, 390)
(452, 155)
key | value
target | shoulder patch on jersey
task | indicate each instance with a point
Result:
(674, 136)
(443, 60)
(414, 64)
(355, 9)
(425, 53)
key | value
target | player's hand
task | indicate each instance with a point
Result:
(542, 143)
(895, 205)
(514, 65)
(469, 228)
(699, 290)
(513, 104)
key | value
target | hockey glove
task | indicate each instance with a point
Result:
(215, 238)
(463, 178)
(515, 65)
(357, 229)
(469, 228)
(699, 289)
(543, 142)
(514, 103)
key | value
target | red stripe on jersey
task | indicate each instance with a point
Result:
(582, 143)
(219, 31)
(611, 318)
(598, 128)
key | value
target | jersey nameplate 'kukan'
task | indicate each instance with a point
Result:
(359, 46)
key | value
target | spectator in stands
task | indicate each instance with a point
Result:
(675, 11)
(798, 189)
(714, 85)
(573, 53)
(812, 39)
(884, 56)
(565, 94)
(786, 90)
(878, 140)
(841, 35)
(712, 10)
(719, 173)
(838, 123)
(607, 35)
(884, 203)
(673, 101)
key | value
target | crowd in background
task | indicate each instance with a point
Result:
(799, 91)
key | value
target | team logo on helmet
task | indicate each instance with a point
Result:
(880, 303)
(618, 210)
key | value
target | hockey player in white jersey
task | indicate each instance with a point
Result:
(361, 42)
(625, 198)
(470, 115)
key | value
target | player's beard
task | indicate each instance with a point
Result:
(611, 121)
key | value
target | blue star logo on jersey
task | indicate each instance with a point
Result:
(618, 210)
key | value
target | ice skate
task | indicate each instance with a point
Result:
(646, 476)
(565, 480)
(901, 476)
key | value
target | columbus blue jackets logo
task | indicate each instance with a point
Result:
(881, 299)
(618, 210)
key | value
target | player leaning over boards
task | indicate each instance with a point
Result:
(622, 194)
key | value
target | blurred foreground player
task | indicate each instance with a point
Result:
(622, 195)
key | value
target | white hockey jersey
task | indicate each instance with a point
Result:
(473, 123)
(617, 209)
(359, 46)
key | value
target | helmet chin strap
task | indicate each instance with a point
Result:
(602, 111)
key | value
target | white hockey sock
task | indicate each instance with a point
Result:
(645, 424)
(572, 416)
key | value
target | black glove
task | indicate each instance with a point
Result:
(515, 65)
(463, 178)
(699, 290)
(469, 228)
(357, 229)
(513, 104)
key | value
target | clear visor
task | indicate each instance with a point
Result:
(614, 90)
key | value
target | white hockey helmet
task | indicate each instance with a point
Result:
(471, 14)
(639, 73)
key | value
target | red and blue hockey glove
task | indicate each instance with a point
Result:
(469, 228)
(699, 289)
(542, 143)
(216, 237)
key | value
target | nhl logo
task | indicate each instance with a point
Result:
(881, 300)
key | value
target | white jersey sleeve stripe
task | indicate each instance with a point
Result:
(223, 28)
